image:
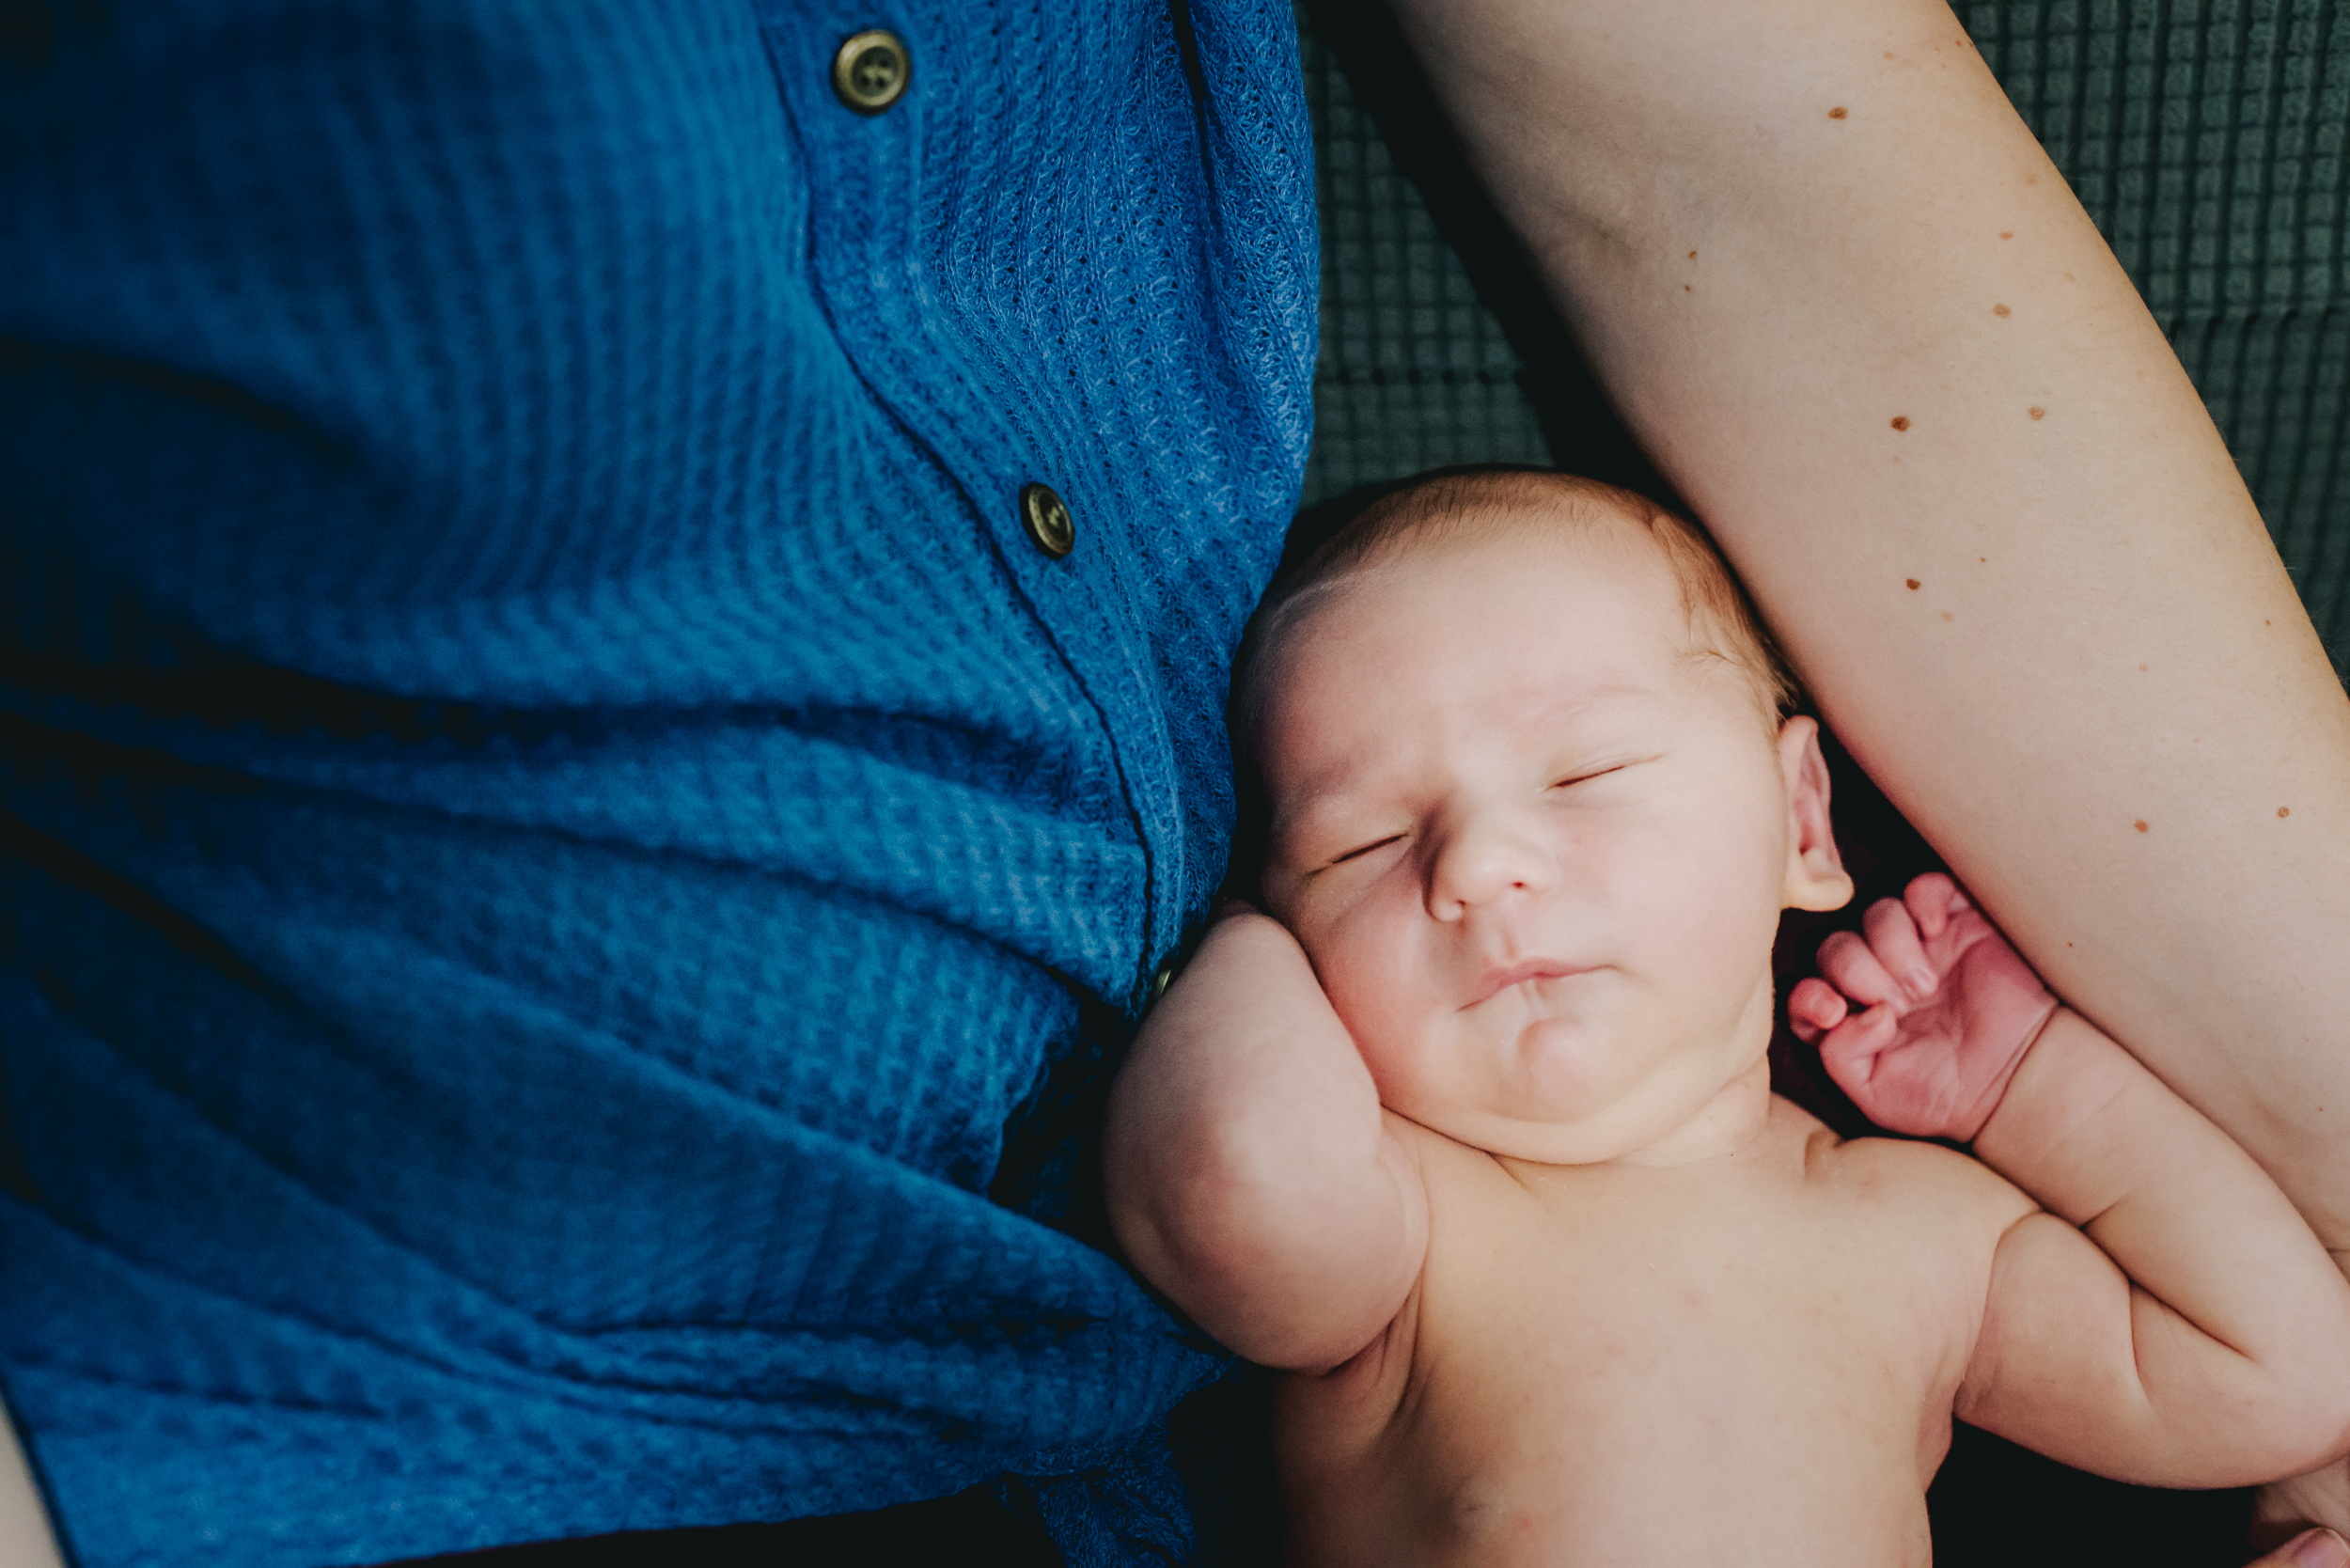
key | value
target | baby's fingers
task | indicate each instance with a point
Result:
(1851, 1050)
(1847, 964)
(1893, 938)
(1932, 899)
(1813, 1008)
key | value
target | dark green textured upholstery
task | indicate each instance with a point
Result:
(2207, 140)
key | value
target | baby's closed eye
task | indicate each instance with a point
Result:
(1363, 849)
(1588, 770)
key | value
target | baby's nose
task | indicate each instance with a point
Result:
(1486, 860)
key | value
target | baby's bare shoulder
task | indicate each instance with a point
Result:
(1929, 1187)
(1922, 1222)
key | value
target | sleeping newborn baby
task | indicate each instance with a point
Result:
(1479, 1138)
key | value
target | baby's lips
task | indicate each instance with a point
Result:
(1499, 979)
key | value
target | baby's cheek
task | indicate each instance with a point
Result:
(1370, 983)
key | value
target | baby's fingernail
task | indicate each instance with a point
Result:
(1921, 981)
(2318, 1548)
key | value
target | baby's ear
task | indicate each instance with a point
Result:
(1816, 878)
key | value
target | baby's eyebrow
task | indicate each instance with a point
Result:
(1600, 698)
(1322, 816)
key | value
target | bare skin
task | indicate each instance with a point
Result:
(2042, 612)
(1487, 1150)
(25, 1538)
(1588, 1346)
(1856, 317)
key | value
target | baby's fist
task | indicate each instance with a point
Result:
(1949, 1011)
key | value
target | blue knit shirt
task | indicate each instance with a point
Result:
(570, 877)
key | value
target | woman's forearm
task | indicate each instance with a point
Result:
(1859, 321)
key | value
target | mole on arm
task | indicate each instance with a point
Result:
(2284, 810)
(1912, 582)
(2039, 413)
(2139, 825)
(2007, 234)
(2001, 310)
(1901, 421)
(1837, 113)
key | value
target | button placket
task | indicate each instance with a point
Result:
(860, 259)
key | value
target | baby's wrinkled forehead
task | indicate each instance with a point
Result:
(1560, 530)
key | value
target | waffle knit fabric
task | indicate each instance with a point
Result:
(569, 879)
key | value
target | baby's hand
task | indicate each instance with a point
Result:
(1950, 1011)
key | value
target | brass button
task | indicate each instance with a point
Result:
(1048, 520)
(870, 70)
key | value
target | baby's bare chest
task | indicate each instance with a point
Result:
(1614, 1364)
(1689, 1330)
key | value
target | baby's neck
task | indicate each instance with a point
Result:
(1728, 1123)
(1731, 1123)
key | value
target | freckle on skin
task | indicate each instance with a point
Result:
(2284, 810)
(1693, 256)
(1837, 113)
(2007, 234)
(1901, 421)
(1684, 288)
(2139, 825)
(1946, 615)
(2141, 666)
(2040, 414)
(2001, 310)
(1912, 582)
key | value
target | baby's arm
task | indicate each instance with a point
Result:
(1251, 1174)
(2204, 1338)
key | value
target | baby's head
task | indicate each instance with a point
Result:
(1532, 811)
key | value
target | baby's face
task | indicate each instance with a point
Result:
(1536, 851)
